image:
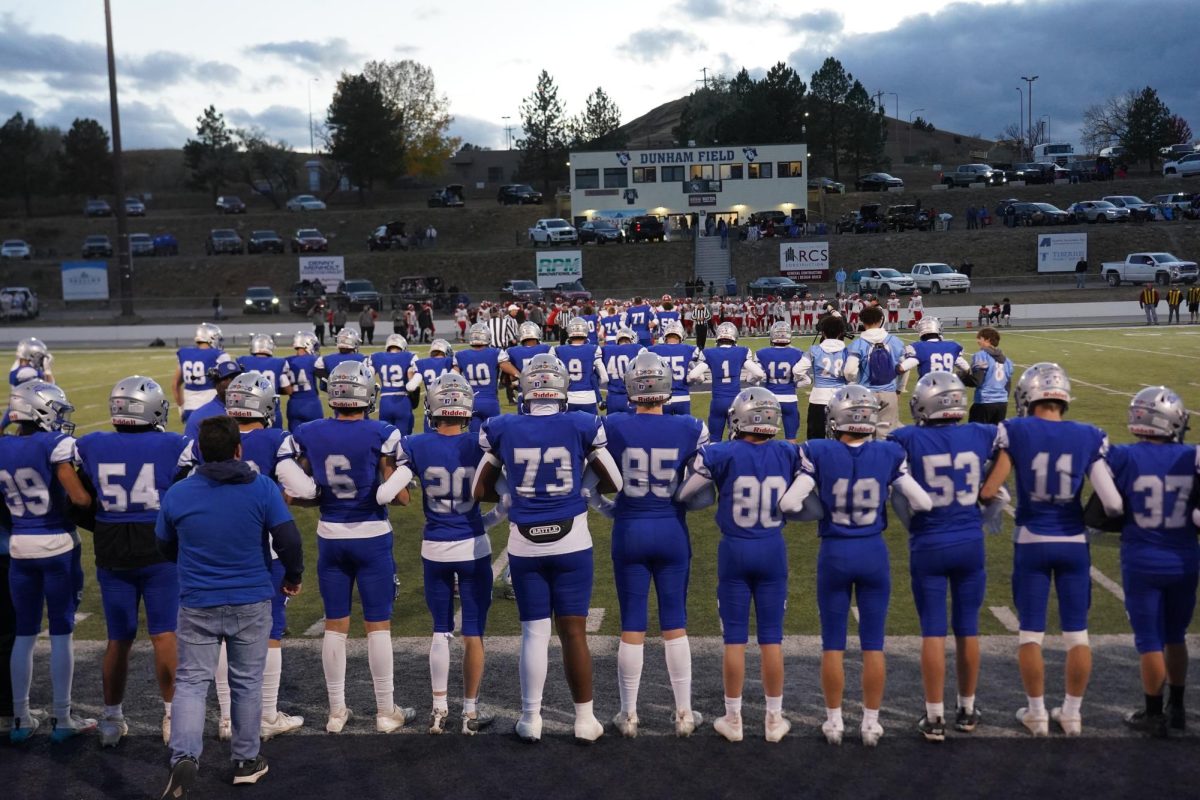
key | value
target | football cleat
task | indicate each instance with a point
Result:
(626, 723)
(833, 731)
(1176, 716)
(1037, 724)
(1071, 726)
(776, 726)
(529, 730)
(871, 732)
(967, 721)
(473, 725)
(588, 730)
(437, 720)
(225, 729)
(337, 720)
(729, 726)
(1154, 725)
(111, 731)
(686, 722)
(934, 730)
(397, 719)
(61, 730)
(283, 723)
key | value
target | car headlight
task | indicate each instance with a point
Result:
(274, 301)
(249, 302)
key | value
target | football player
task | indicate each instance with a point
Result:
(916, 308)
(349, 455)
(932, 353)
(650, 534)
(617, 357)
(781, 363)
(219, 378)
(584, 366)
(641, 318)
(263, 361)
(946, 543)
(192, 384)
(38, 479)
(823, 365)
(681, 358)
(32, 364)
(1051, 456)
(481, 365)
(348, 342)
(392, 366)
(128, 469)
(726, 365)
(609, 323)
(549, 454)
(893, 312)
(667, 312)
(851, 473)
(991, 372)
(424, 370)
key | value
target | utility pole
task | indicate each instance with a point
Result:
(1029, 83)
(507, 131)
(124, 263)
(704, 72)
(1021, 124)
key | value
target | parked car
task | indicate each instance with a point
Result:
(827, 185)
(309, 240)
(878, 182)
(358, 293)
(97, 208)
(22, 302)
(223, 240)
(1082, 172)
(518, 194)
(388, 236)
(967, 174)
(648, 228)
(601, 232)
(16, 248)
(1185, 166)
(905, 216)
(521, 291)
(449, 196)
(97, 246)
(1182, 201)
(885, 279)
(572, 291)
(868, 219)
(260, 300)
(1138, 208)
(938, 278)
(553, 231)
(264, 242)
(134, 207)
(305, 202)
(1038, 172)
(1097, 211)
(304, 295)
(1161, 268)
(1040, 214)
(165, 244)
(776, 286)
(1174, 151)
(230, 204)
(141, 244)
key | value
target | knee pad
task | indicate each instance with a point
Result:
(1074, 639)
(1032, 637)
(537, 628)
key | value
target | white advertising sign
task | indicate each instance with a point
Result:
(805, 261)
(1059, 252)
(553, 268)
(85, 280)
(329, 270)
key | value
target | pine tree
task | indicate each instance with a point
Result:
(543, 119)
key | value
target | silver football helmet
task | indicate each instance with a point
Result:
(755, 410)
(348, 339)
(781, 333)
(208, 333)
(727, 332)
(544, 378)
(852, 409)
(479, 335)
(352, 387)
(928, 326)
(577, 328)
(1042, 381)
(251, 395)
(33, 350)
(397, 341)
(1158, 412)
(306, 341)
(648, 379)
(262, 343)
(43, 404)
(626, 335)
(938, 396)
(674, 327)
(451, 397)
(527, 331)
(138, 400)
(440, 346)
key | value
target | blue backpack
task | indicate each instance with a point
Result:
(881, 366)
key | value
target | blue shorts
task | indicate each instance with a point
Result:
(77, 576)
(35, 582)
(560, 585)
(752, 569)
(791, 420)
(303, 409)
(618, 403)
(122, 590)
(184, 414)
(341, 563)
(1069, 564)
(962, 565)
(858, 566)
(587, 408)
(718, 412)
(474, 591)
(485, 409)
(651, 548)
(279, 601)
(678, 407)
(1160, 606)
(397, 410)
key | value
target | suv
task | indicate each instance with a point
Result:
(140, 244)
(223, 240)
(264, 242)
(885, 279)
(22, 303)
(572, 291)
(309, 240)
(97, 246)
(519, 194)
(648, 228)
(97, 208)
(450, 196)
(229, 204)
(1098, 211)
(967, 174)
(1184, 165)
(938, 278)
(906, 216)
(521, 291)
(358, 293)
(553, 231)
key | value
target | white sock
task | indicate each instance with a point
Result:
(535, 658)
(62, 673)
(679, 668)
(470, 705)
(935, 711)
(870, 716)
(113, 712)
(584, 712)
(439, 665)
(966, 703)
(272, 674)
(733, 706)
(629, 674)
(1036, 704)
(380, 659)
(775, 704)
(1071, 706)
(333, 659)
(21, 665)
(166, 709)
(221, 678)
(834, 716)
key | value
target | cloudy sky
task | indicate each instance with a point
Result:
(258, 60)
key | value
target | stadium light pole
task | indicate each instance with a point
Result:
(124, 262)
(1021, 122)
(507, 131)
(1029, 83)
(311, 145)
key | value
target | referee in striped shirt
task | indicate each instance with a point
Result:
(701, 317)
(504, 328)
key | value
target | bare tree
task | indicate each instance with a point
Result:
(1106, 123)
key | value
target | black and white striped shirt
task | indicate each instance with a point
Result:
(504, 331)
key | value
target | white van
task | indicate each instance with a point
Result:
(1060, 153)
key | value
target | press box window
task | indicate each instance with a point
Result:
(616, 177)
(587, 179)
(731, 172)
(672, 174)
(791, 169)
(645, 174)
(759, 171)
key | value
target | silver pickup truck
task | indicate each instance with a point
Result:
(967, 174)
(1160, 268)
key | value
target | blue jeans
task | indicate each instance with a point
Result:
(244, 629)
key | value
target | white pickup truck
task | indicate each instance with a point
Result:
(1160, 268)
(938, 278)
(552, 232)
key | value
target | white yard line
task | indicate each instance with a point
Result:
(854, 611)
(1006, 617)
(595, 619)
(1142, 350)
(1108, 583)
(316, 629)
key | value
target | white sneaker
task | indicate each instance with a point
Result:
(729, 726)
(776, 726)
(63, 729)
(111, 731)
(588, 730)
(225, 729)
(283, 723)
(437, 720)
(166, 729)
(871, 733)
(337, 720)
(397, 719)
(529, 730)
(626, 724)
(833, 731)
(1071, 726)
(1038, 724)
(686, 722)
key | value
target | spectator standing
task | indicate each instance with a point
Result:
(871, 360)
(216, 524)
(339, 320)
(316, 315)
(1148, 302)
(1081, 268)
(1193, 301)
(972, 224)
(723, 232)
(1174, 298)
(366, 324)
(840, 278)
(216, 306)
(431, 235)
(985, 216)
(398, 321)
(425, 323)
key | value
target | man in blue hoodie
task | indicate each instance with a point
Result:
(219, 525)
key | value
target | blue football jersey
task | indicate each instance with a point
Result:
(853, 484)
(1051, 460)
(828, 368)
(681, 357)
(344, 458)
(665, 316)
(301, 368)
(36, 500)
(652, 450)
(592, 321)
(129, 471)
(750, 480)
(327, 363)
(25, 374)
(949, 462)
(580, 361)
(778, 363)
(392, 369)
(519, 354)
(213, 408)
(617, 358)
(445, 466)
(725, 363)
(264, 448)
(431, 367)
(277, 371)
(638, 319)
(998, 376)
(609, 325)
(195, 362)
(481, 368)
(1157, 482)
(544, 459)
(935, 355)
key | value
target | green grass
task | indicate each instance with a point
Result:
(1107, 366)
